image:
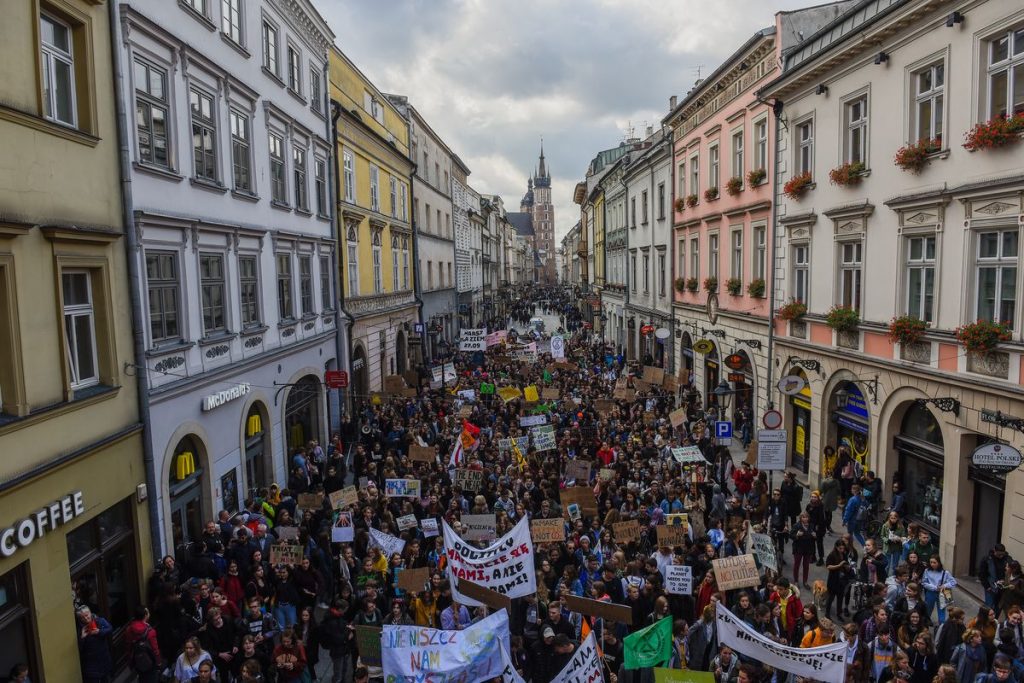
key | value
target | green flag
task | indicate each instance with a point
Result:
(650, 646)
(547, 377)
(486, 388)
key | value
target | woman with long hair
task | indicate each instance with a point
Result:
(922, 659)
(938, 587)
(839, 573)
(186, 667)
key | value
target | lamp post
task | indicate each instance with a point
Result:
(604, 320)
(723, 394)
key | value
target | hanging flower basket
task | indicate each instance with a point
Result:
(982, 336)
(692, 285)
(734, 186)
(998, 132)
(680, 204)
(711, 194)
(842, 319)
(734, 286)
(906, 329)
(847, 175)
(915, 157)
(711, 284)
(756, 288)
(691, 200)
(794, 309)
(756, 176)
(797, 186)
(680, 284)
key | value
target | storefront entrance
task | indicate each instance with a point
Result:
(686, 365)
(920, 449)
(800, 423)
(256, 449)
(989, 504)
(711, 373)
(185, 482)
(851, 419)
(16, 631)
(302, 418)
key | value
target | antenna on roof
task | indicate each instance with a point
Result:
(697, 69)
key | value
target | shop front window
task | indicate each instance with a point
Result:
(302, 412)
(184, 483)
(16, 628)
(920, 447)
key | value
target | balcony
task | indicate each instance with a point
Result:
(379, 303)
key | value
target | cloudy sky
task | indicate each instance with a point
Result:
(493, 76)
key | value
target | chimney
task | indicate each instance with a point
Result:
(672, 103)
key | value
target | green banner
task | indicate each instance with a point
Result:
(682, 676)
(650, 646)
(486, 389)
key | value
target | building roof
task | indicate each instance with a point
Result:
(522, 222)
(845, 26)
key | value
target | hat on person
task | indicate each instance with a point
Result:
(561, 640)
(548, 632)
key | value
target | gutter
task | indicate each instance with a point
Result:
(331, 130)
(340, 281)
(772, 290)
(132, 247)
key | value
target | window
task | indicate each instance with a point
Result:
(326, 294)
(682, 260)
(211, 283)
(204, 135)
(801, 253)
(404, 203)
(643, 201)
(17, 622)
(920, 276)
(647, 273)
(394, 263)
(284, 287)
(713, 167)
(405, 264)
(997, 275)
(632, 210)
(350, 177)
(857, 130)
(661, 201)
(231, 19)
(761, 144)
(151, 113)
(198, 5)
(760, 252)
(162, 288)
(1006, 74)
(58, 66)
(426, 217)
(306, 284)
(270, 48)
(695, 175)
(737, 254)
(294, 69)
(661, 273)
(378, 274)
(850, 274)
(929, 96)
(437, 172)
(374, 188)
(240, 151)
(316, 96)
(633, 270)
(713, 256)
(695, 257)
(737, 154)
(79, 329)
(451, 281)
(393, 182)
(278, 192)
(299, 177)
(681, 179)
(249, 291)
(426, 166)
(805, 147)
(320, 171)
(430, 274)
(352, 262)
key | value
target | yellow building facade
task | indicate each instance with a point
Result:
(74, 526)
(375, 233)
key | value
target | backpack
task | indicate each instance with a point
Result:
(863, 512)
(143, 659)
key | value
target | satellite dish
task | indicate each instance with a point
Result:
(662, 333)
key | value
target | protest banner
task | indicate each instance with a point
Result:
(394, 384)
(653, 375)
(762, 546)
(620, 614)
(418, 453)
(505, 566)
(368, 644)
(671, 536)
(416, 653)
(533, 420)
(469, 480)
(677, 417)
(547, 530)
(286, 553)
(509, 393)
(494, 338)
(550, 394)
(473, 339)
(491, 598)
(530, 394)
(606, 474)
(626, 532)
(735, 572)
(342, 530)
(682, 676)
(687, 454)
(582, 496)
(479, 527)
(429, 527)
(586, 664)
(402, 488)
(825, 663)
(407, 522)
(388, 544)
(310, 501)
(578, 470)
(287, 534)
(413, 580)
(678, 579)
(544, 439)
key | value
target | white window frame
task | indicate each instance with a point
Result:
(249, 281)
(681, 170)
(326, 288)
(285, 286)
(300, 176)
(394, 263)
(801, 252)
(320, 183)
(695, 257)
(1002, 264)
(737, 155)
(306, 299)
(278, 184)
(804, 161)
(934, 96)
(760, 252)
(695, 174)
(632, 263)
(393, 188)
(270, 40)
(714, 255)
(1007, 66)
(737, 253)
(661, 272)
(374, 188)
(206, 125)
(856, 128)
(927, 267)
(682, 258)
(294, 65)
(761, 143)
(207, 306)
(851, 274)
(232, 21)
(170, 285)
(73, 312)
(352, 263)
(349, 163)
(647, 272)
(240, 129)
(51, 55)
(316, 92)
(404, 202)
(378, 266)
(714, 167)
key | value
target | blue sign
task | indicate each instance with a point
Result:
(723, 430)
(856, 406)
(417, 328)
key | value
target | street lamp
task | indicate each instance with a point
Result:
(723, 393)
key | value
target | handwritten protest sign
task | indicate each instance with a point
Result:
(735, 572)
(547, 530)
(342, 530)
(550, 394)
(626, 532)
(677, 417)
(418, 453)
(763, 547)
(402, 488)
(469, 479)
(287, 534)
(678, 579)
(685, 454)
(388, 544)
(578, 470)
(310, 501)
(653, 375)
(582, 496)
(394, 384)
(346, 497)
(479, 527)
(671, 536)
(544, 439)
(586, 664)
(368, 644)
(407, 522)
(476, 653)
(604, 406)
(429, 527)
(413, 580)
(505, 565)
(285, 553)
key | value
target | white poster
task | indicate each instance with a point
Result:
(429, 527)
(474, 339)
(415, 653)
(826, 663)
(479, 527)
(388, 544)
(687, 454)
(505, 566)
(678, 579)
(450, 375)
(533, 420)
(406, 522)
(557, 347)
(763, 548)
(585, 665)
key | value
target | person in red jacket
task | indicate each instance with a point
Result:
(743, 478)
(792, 608)
(137, 629)
(231, 585)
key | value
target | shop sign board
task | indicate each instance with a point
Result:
(221, 397)
(771, 449)
(996, 457)
(22, 533)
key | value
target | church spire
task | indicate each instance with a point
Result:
(542, 172)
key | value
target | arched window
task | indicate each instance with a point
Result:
(184, 484)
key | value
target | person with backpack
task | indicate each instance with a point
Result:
(143, 648)
(855, 514)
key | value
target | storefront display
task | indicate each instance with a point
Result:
(302, 413)
(851, 417)
(800, 406)
(921, 466)
(185, 487)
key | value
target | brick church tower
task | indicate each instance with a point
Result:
(537, 203)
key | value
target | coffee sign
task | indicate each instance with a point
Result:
(23, 532)
(996, 457)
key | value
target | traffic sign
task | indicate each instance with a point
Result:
(771, 449)
(772, 419)
(417, 328)
(336, 379)
(723, 432)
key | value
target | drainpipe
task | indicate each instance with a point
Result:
(341, 282)
(331, 127)
(777, 112)
(132, 247)
(669, 138)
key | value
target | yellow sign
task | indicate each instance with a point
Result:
(530, 393)
(509, 393)
(800, 440)
(703, 346)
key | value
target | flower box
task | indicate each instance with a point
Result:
(692, 285)
(916, 156)
(756, 176)
(691, 200)
(680, 284)
(711, 284)
(847, 175)
(794, 309)
(797, 186)
(680, 204)
(711, 194)
(982, 336)
(989, 363)
(842, 319)
(734, 186)
(756, 288)
(734, 286)
(916, 352)
(906, 329)
(998, 132)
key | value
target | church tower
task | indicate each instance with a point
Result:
(537, 202)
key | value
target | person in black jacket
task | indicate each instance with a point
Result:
(792, 496)
(336, 637)
(218, 637)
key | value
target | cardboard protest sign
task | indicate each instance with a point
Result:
(735, 572)
(678, 579)
(407, 522)
(580, 495)
(342, 529)
(624, 394)
(418, 453)
(465, 411)
(505, 566)
(285, 553)
(409, 392)
(606, 474)
(677, 417)
(625, 532)
(491, 598)
(670, 535)
(346, 497)
(578, 470)
(411, 377)
(287, 534)
(310, 501)
(670, 384)
(650, 418)
(604, 406)
(402, 488)
(641, 385)
(394, 384)
(547, 530)
(479, 527)
(368, 644)
(763, 547)
(565, 365)
(469, 479)
(653, 375)
(413, 580)
(429, 527)
(620, 614)
(550, 394)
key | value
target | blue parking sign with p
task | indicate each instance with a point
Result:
(723, 430)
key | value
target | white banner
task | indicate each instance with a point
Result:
(415, 653)
(762, 546)
(473, 339)
(678, 579)
(585, 665)
(506, 566)
(557, 347)
(533, 420)
(826, 663)
(386, 542)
